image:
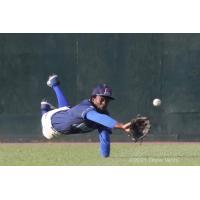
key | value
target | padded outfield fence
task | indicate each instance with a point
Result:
(139, 67)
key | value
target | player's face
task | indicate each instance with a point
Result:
(101, 102)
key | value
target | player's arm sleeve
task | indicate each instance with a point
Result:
(104, 138)
(102, 119)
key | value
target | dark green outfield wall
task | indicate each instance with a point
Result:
(139, 67)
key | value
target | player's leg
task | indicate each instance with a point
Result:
(45, 125)
(104, 138)
(54, 83)
(48, 131)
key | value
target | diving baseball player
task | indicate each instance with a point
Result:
(87, 116)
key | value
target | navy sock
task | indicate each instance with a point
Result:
(62, 100)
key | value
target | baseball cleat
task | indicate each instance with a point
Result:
(53, 80)
(46, 105)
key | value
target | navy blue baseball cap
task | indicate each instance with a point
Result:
(103, 90)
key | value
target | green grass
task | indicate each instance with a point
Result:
(87, 154)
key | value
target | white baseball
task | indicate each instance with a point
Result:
(156, 102)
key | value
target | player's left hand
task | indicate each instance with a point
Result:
(127, 127)
(139, 128)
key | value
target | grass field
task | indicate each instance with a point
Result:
(87, 154)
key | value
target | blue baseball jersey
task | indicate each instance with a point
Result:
(82, 118)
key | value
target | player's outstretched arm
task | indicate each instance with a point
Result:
(125, 127)
(107, 121)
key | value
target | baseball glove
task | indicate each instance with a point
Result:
(140, 127)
